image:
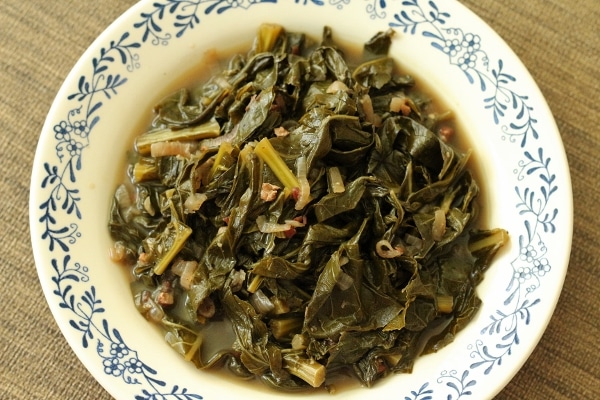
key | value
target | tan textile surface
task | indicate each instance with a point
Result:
(40, 40)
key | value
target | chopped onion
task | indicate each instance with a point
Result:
(270, 227)
(194, 202)
(370, 115)
(385, 250)
(400, 104)
(438, 229)
(261, 303)
(304, 188)
(187, 277)
(298, 222)
(184, 149)
(268, 191)
(126, 204)
(281, 132)
(165, 298)
(186, 271)
(117, 252)
(178, 266)
(155, 313)
(335, 180)
(337, 86)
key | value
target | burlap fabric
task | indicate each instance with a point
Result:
(558, 41)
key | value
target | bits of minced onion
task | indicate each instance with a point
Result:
(117, 252)
(385, 249)
(438, 228)
(400, 104)
(162, 149)
(304, 188)
(268, 192)
(185, 270)
(335, 180)
(265, 226)
(281, 132)
(337, 86)
(194, 202)
(367, 106)
(261, 303)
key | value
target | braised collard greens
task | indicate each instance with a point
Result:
(296, 218)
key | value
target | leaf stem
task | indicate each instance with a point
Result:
(265, 151)
(207, 130)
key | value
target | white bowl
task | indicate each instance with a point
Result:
(81, 157)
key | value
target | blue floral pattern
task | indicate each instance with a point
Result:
(163, 21)
(464, 50)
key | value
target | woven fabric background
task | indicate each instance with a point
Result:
(40, 41)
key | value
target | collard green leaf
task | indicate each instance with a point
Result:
(328, 64)
(374, 73)
(257, 113)
(251, 333)
(378, 45)
(341, 301)
(336, 203)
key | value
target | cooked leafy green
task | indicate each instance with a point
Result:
(298, 217)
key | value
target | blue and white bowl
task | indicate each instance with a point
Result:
(81, 157)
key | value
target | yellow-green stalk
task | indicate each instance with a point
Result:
(285, 328)
(146, 169)
(207, 130)
(304, 368)
(265, 151)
